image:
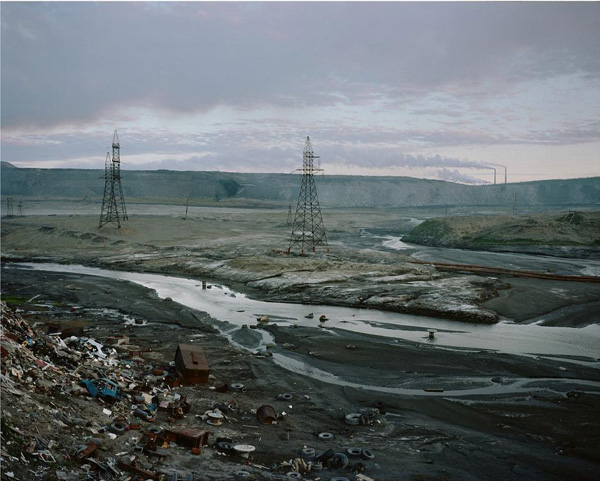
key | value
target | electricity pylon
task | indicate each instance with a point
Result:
(113, 201)
(308, 229)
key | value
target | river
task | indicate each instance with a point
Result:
(234, 310)
(237, 309)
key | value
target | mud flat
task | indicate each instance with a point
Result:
(246, 249)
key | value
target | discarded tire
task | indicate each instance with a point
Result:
(325, 436)
(294, 475)
(237, 386)
(117, 427)
(338, 461)
(155, 430)
(225, 447)
(308, 452)
(285, 397)
(353, 419)
(354, 452)
(366, 454)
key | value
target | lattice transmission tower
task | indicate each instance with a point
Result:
(113, 202)
(308, 230)
(10, 207)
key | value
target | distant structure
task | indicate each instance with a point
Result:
(113, 202)
(308, 230)
(20, 207)
(570, 217)
(290, 217)
(10, 207)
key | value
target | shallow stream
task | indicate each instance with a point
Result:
(235, 310)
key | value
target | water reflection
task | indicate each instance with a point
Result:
(235, 308)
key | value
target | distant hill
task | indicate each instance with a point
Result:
(8, 165)
(333, 191)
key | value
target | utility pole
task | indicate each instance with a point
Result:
(187, 203)
(308, 228)
(20, 206)
(514, 202)
(290, 218)
(113, 201)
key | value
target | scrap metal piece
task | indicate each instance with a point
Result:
(266, 414)
(191, 364)
(86, 451)
(132, 468)
(190, 437)
(104, 388)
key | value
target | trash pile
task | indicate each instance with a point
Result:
(76, 407)
(58, 386)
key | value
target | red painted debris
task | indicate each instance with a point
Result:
(191, 364)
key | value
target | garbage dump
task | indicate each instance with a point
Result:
(79, 406)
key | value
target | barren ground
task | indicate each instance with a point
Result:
(546, 432)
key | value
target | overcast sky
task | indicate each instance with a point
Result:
(436, 90)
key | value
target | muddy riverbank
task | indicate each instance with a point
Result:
(431, 435)
(247, 250)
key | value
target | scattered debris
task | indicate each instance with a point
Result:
(191, 364)
(244, 450)
(266, 415)
(140, 422)
(103, 388)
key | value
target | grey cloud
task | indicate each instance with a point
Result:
(72, 62)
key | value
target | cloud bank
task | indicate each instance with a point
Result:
(239, 85)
